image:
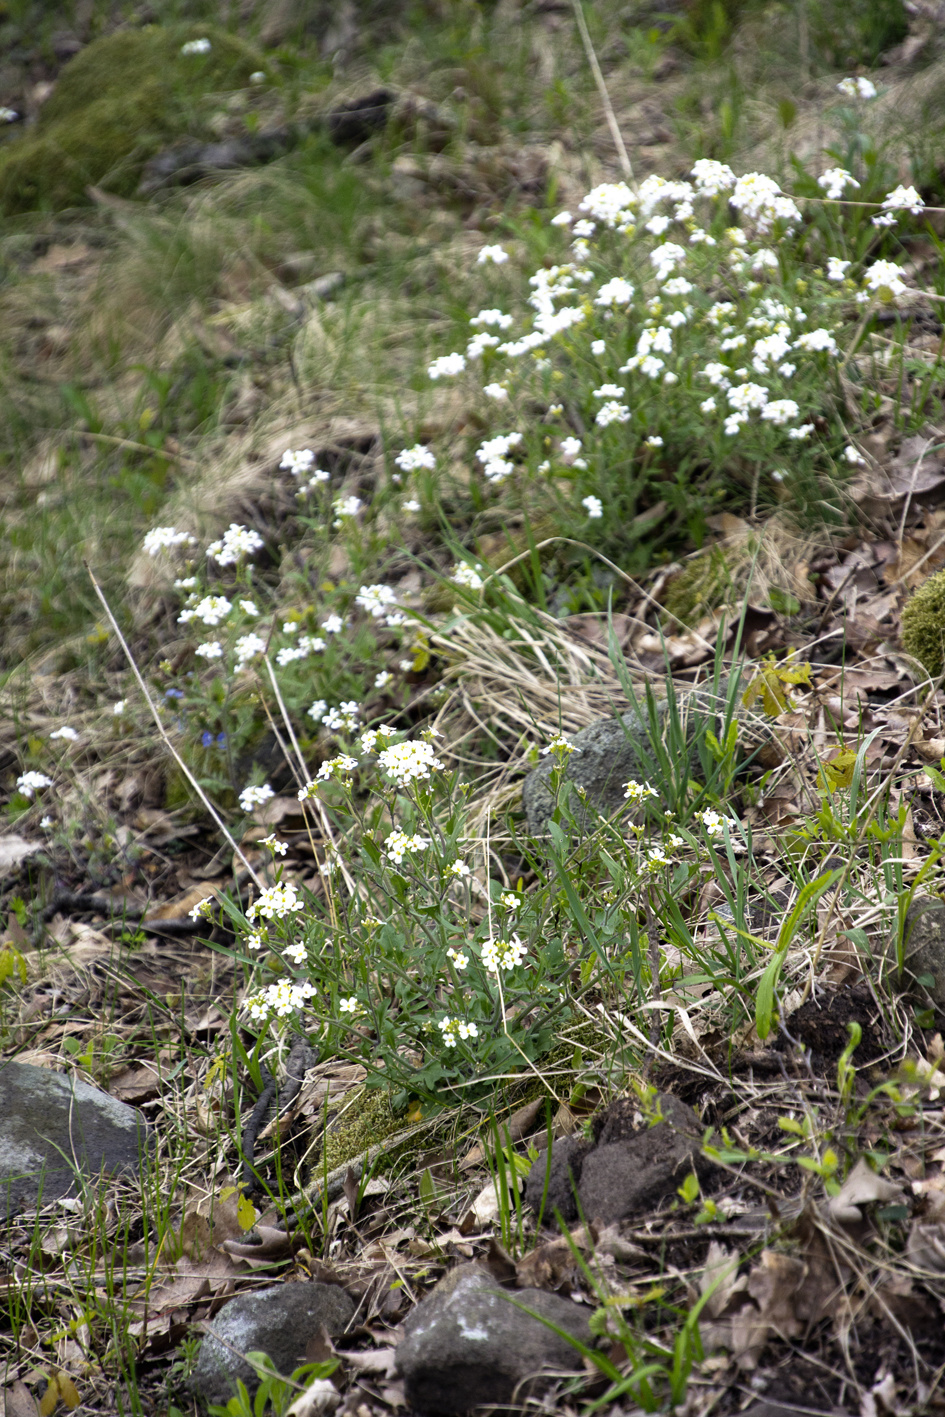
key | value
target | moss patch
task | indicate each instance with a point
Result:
(119, 101)
(362, 1126)
(923, 625)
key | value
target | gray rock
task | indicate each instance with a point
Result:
(626, 1170)
(56, 1132)
(924, 952)
(607, 754)
(279, 1321)
(468, 1345)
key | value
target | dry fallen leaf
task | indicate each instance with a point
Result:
(861, 1187)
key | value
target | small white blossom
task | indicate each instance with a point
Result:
(562, 219)
(447, 366)
(247, 647)
(253, 796)
(349, 1005)
(503, 954)
(382, 679)
(333, 625)
(196, 46)
(612, 412)
(119, 708)
(495, 391)
(899, 200)
(560, 747)
(30, 782)
(276, 846)
(159, 538)
(210, 649)
(857, 88)
(412, 459)
(375, 599)
(236, 543)
(707, 405)
(780, 411)
(275, 902)
(714, 824)
(835, 180)
(463, 574)
(494, 255)
(297, 462)
(837, 269)
(638, 791)
(338, 766)
(203, 910)
(8, 115)
(346, 508)
(855, 458)
(398, 844)
(460, 960)
(66, 732)
(404, 763)
(458, 868)
(594, 507)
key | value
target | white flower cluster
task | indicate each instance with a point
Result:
(236, 543)
(901, 199)
(638, 791)
(368, 740)
(714, 823)
(203, 910)
(560, 747)
(210, 610)
(835, 180)
(282, 999)
(160, 538)
(340, 718)
(454, 1028)
(399, 843)
(252, 796)
(247, 647)
(31, 782)
(196, 46)
(857, 88)
(412, 459)
(404, 763)
(762, 203)
(69, 734)
(503, 954)
(465, 575)
(375, 599)
(492, 454)
(275, 902)
(297, 462)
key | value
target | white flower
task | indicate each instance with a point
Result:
(495, 319)
(203, 910)
(346, 507)
(282, 999)
(349, 1005)
(560, 747)
(495, 391)
(761, 202)
(419, 456)
(638, 791)
(236, 543)
(733, 422)
(408, 762)
(780, 411)
(707, 405)
(747, 398)
(453, 1028)
(253, 796)
(612, 412)
(900, 199)
(460, 960)
(458, 868)
(609, 391)
(247, 647)
(210, 649)
(799, 434)
(248, 607)
(654, 442)
(337, 767)
(655, 858)
(837, 269)
(211, 610)
(31, 782)
(510, 901)
(857, 88)
(297, 462)
(311, 644)
(119, 708)
(46, 823)
(834, 180)
(612, 204)
(275, 902)
(717, 374)
(570, 448)
(333, 625)
(185, 583)
(494, 254)
(8, 115)
(65, 732)
(562, 219)
(375, 599)
(196, 46)
(853, 457)
(594, 506)
(276, 846)
(503, 954)
(581, 229)
(412, 505)
(614, 292)
(666, 258)
(398, 844)
(258, 76)
(463, 574)
(161, 537)
(884, 278)
(817, 341)
(382, 679)
(712, 178)
(343, 718)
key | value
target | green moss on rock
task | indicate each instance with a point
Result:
(119, 101)
(369, 1121)
(703, 585)
(923, 625)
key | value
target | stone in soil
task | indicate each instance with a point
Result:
(57, 1132)
(467, 1344)
(627, 1169)
(607, 755)
(923, 954)
(280, 1321)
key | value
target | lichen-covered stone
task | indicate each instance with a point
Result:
(279, 1321)
(118, 101)
(56, 1132)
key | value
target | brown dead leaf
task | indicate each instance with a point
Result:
(181, 906)
(925, 1247)
(554, 1265)
(14, 849)
(862, 1187)
(722, 1278)
(18, 1401)
(273, 1245)
(136, 1083)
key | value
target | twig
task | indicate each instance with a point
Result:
(609, 114)
(163, 731)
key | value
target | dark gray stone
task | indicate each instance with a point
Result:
(54, 1129)
(627, 1169)
(468, 1345)
(607, 755)
(279, 1321)
(923, 954)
